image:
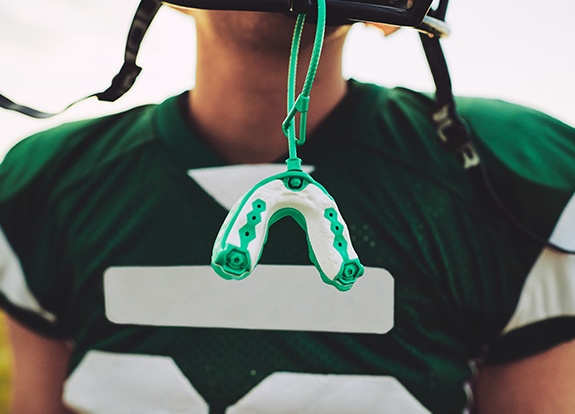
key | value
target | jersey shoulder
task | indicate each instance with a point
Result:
(36, 177)
(528, 155)
(62, 155)
(531, 143)
(519, 136)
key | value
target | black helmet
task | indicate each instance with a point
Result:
(395, 12)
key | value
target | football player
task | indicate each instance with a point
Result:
(467, 301)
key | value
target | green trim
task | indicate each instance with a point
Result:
(339, 242)
(253, 218)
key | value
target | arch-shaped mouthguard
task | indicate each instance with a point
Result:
(240, 242)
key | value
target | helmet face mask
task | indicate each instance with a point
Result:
(395, 12)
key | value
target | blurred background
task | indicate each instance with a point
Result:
(56, 51)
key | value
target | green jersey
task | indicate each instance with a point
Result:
(107, 228)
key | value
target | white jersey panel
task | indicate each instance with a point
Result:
(110, 383)
(273, 297)
(549, 290)
(114, 383)
(288, 393)
(13, 283)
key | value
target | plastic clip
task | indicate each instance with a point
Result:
(454, 136)
(302, 106)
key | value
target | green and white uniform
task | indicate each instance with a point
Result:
(140, 192)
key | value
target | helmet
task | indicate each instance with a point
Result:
(394, 12)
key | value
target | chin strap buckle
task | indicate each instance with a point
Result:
(454, 135)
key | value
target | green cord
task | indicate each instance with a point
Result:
(301, 105)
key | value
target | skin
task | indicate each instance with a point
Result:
(241, 73)
(39, 368)
(540, 384)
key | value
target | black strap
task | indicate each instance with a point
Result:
(440, 11)
(453, 133)
(125, 78)
(455, 136)
(451, 129)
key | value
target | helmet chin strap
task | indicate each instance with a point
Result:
(125, 78)
(453, 133)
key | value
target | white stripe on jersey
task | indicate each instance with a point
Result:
(273, 297)
(292, 392)
(13, 283)
(108, 383)
(549, 290)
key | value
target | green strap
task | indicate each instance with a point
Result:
(301, 104)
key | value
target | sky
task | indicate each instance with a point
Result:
(56, 51)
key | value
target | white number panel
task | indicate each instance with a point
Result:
(110, 383)
(289, 393)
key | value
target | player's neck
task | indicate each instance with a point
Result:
(239, 101)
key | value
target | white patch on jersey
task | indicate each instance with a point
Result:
(13, 283)
(272, 297)
(564, 233)
(110, 383)
(549, 290)
(115, 383)
(288, 393)
(228, 184)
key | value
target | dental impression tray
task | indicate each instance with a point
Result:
(294, 193)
